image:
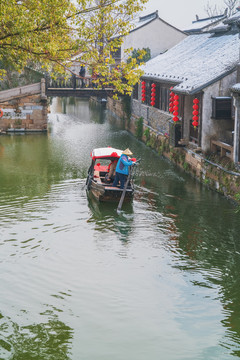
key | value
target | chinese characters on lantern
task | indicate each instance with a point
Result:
(195, 112)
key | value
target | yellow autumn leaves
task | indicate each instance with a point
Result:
(51, 32)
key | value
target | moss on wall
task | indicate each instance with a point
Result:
(204, 168)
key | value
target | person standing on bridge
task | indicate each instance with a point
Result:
(82, 73)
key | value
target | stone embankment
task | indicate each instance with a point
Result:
(24, 108)
(212, 170)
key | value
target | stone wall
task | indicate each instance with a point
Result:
(24, 112)
(221, 178)
(116, 107)
(152, 117)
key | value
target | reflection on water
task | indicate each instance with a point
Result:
(46, 340)
(106, 218)
(80, 281)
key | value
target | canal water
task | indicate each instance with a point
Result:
(80, 282)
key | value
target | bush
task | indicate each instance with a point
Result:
(139, 128)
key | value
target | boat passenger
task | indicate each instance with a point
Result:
(111, 171)
(122, 169)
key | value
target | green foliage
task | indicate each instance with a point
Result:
(206, 181)
(147, 134)
(186, 166)
(52, 32)
(139, 128)
(237, 198)
(152, 142)
(141, 55)
(13, 78)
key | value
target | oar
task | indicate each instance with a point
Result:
(124, 190)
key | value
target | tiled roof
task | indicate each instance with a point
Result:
(145, 19)
(196, 62)
(201, 24)
(236, 88)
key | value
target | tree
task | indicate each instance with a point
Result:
(216, 10)
(102, 35)
(35, 30)
(141, 55)
(231, 6)
(52, 31)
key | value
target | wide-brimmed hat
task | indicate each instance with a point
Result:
(127, 152)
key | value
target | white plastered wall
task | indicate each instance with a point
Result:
(156, 35)
(211, 127)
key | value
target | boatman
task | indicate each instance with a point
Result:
(122, 169)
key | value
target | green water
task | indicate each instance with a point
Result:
(80, 282)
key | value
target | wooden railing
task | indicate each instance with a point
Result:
(70, 83)
(75, 86)
(223, 148)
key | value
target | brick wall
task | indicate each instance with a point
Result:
(28, 113)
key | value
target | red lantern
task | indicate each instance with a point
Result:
(195, 123)
(171, 100)
(153, 94)
(143, 91)
(173, 106)
(195, 112)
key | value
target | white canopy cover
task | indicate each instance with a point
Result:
(105, 152)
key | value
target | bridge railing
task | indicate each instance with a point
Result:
(20, 91)
(72, 83)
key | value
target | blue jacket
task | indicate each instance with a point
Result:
(123, 164)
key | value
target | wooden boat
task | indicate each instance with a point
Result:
(96, 183)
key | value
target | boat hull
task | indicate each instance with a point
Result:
(108, 193)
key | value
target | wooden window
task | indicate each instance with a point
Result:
(194, 133)
(157, 98)
(148, 93)
(221, 107)
(117, 53)
(164, 98)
